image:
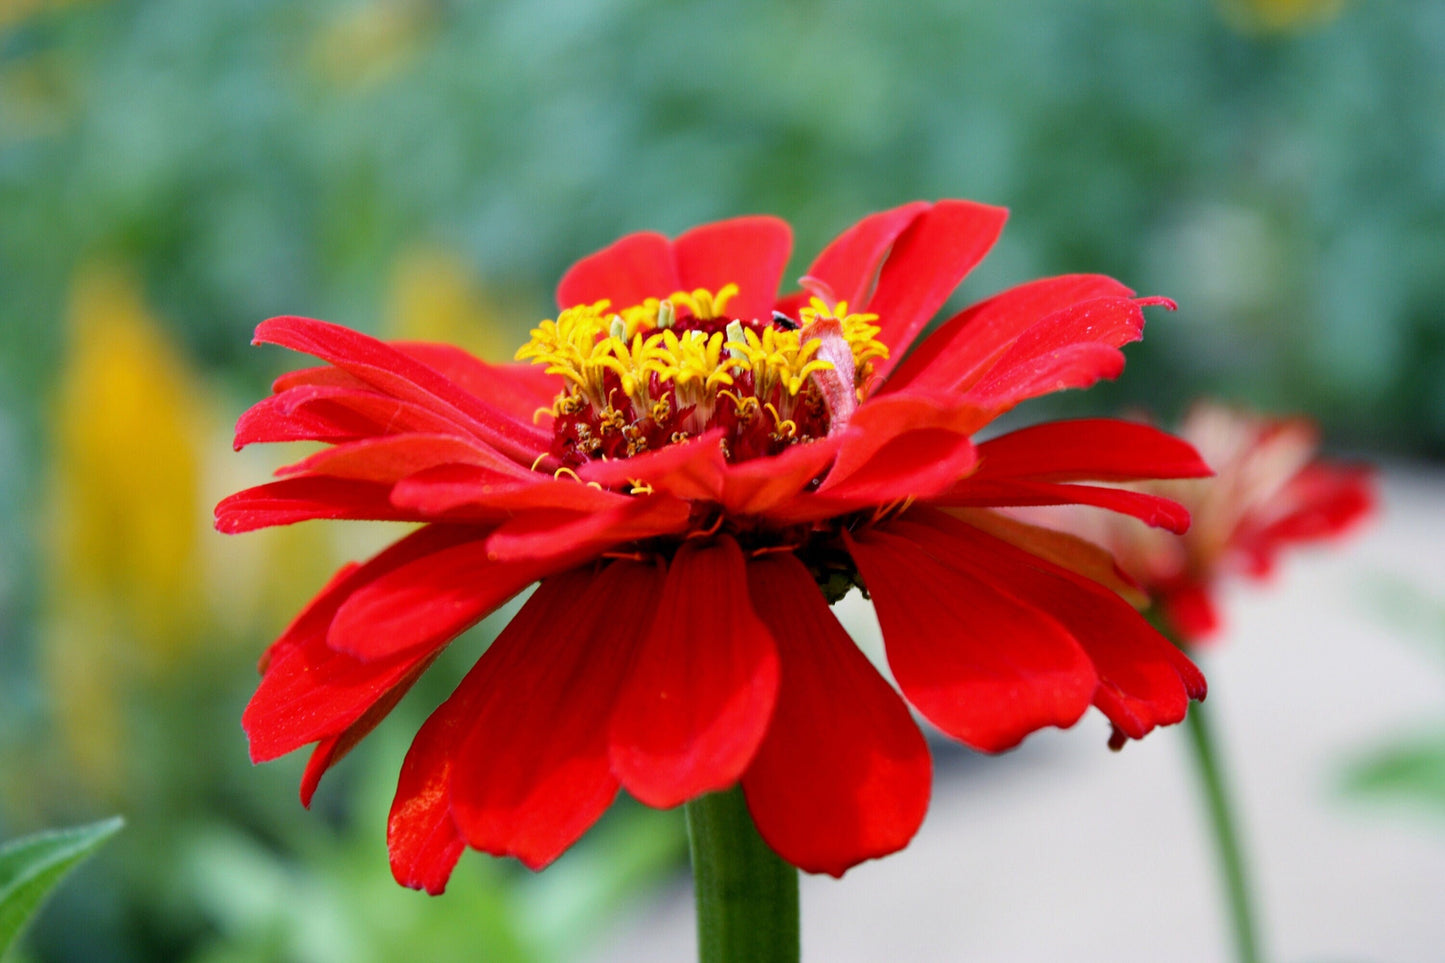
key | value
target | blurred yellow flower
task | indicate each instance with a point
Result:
(125, 515)
(371, 41)
(134, 583)
(1279, 16)
(126, 479)
(16, 11)
(435, 297)
(38, 95)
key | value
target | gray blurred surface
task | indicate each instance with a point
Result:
(1064, 851)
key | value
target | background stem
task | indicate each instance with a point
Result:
(1226, 833)
(747, 896)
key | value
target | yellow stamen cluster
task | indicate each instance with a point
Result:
(581, 345)
(777, 358)
(654, 314)
(669, 355)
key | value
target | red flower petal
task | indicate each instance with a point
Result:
(1322, 500)
(750, 252)
(965, 346)
(333, 749)
(1190, 611)
(927, 262)
(1094, 449)
(1072, 366)
(421, 835)
(543, 532)
(882, 419)
(310, 691)
(849, 264)
(396, 373)
(315, 618)
(1062, 548)
(700, 695)
(518, 389)
(979, 664)
(390, 458)
(627, 272)
(843, 774)
(302, 499)
(693, 469)
(1152, 509)
(1072, 348)
(1144, 680)
(474, 492)
(915, 464)
(533, 773)
(434, 598)
(319, 376)
(333, 413)
(757, 486)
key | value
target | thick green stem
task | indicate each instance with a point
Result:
(747, 896)
(1226, 833)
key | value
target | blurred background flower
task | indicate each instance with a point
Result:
(123, 587)
(1279, 15)
(1269, 495)
(173, 172)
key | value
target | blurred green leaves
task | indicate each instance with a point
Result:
(332, 899)
(1409, 769)
(31, 866)
(1413, 772)
(256, 158)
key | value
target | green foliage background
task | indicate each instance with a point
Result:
(259, 157)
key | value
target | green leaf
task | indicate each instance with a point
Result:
(32, 865)
(1410, 771)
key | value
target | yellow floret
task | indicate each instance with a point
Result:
(642, 346)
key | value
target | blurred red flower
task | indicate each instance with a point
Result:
(1270, 490)
(692, 470)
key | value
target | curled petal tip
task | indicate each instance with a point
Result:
(1168, 304)
(251, 753)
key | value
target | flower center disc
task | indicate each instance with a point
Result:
(664, 371)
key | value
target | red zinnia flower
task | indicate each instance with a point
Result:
(706, 469)
(1269, 491)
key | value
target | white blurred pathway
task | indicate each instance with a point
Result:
(1065, 851)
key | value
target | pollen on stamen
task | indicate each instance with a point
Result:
(667, 370)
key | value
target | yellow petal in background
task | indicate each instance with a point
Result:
(1278, 16)
(13, 12)
(435, 297)
(39, 95)
(122, 534)
(371, 42)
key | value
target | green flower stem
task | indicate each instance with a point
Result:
(747, 896)
(1226, 833)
